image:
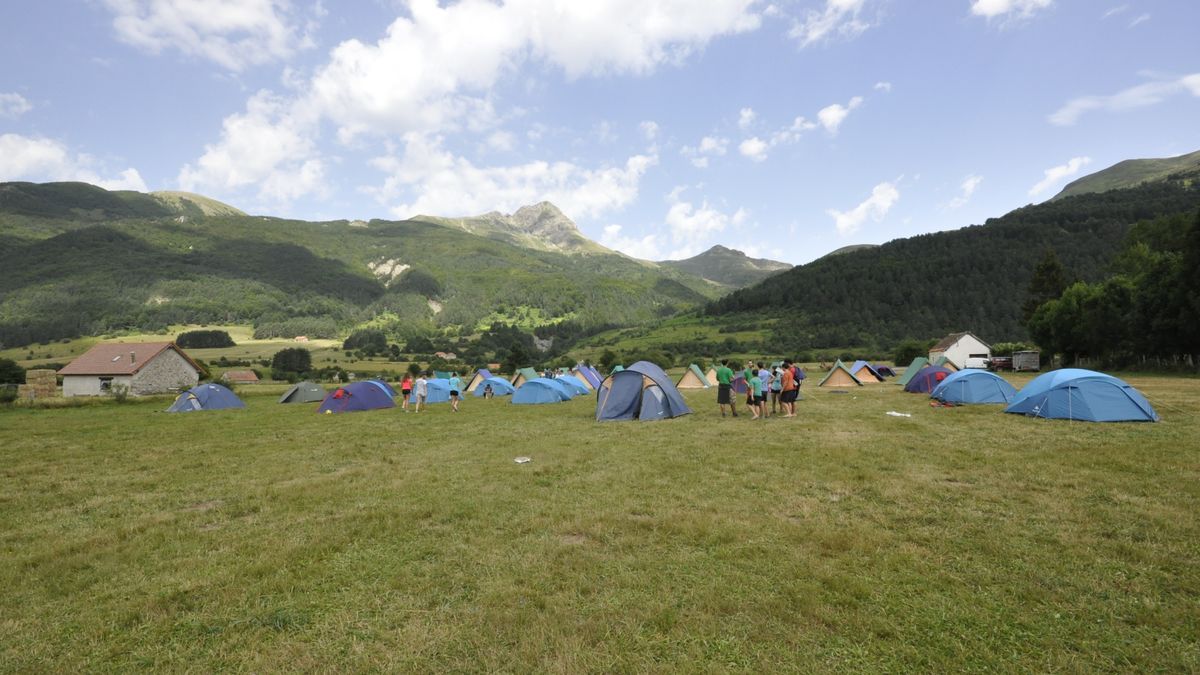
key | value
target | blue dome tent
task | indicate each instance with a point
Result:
(387, 388)
(540, 390)
(974, 386)
(355, 397)
(436, 391)
(206, 397)
(642, 391)
(1078, 394)
(500, 387)
(927, 379)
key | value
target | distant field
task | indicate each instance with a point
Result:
(277, 539)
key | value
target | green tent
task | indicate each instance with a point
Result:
(524, 375)
(304, 392)
(693, 378)
(916, 365)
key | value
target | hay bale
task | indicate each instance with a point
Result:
(39, 383)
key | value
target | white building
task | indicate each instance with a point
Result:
(140, 367)
(964, 350)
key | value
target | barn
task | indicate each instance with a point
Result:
(964, 350)
(140, 367)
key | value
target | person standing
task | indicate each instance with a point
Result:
(725, 388)
(755, 387)
(455, 388)
(406, 386)
(776, 387)
(420, 390)
(787, 393)
(765, 376)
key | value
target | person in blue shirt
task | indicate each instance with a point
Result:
(455, 387)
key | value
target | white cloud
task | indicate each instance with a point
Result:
(269, 146)
(1115, 11)
(883, 86)
(1140, 96)
(969, 185)
(839, 17)
(647, 247)
(1019, 8)
(235, 34)
(883, 197)
(709, 146)
(14, 105)
(649, 129)
(691, 225)
(831, 117)
(1057, 173)
(44, 159)
(501, 141)
(755, 148)
(434, 70)
(746, 118)
(1140, 19)
(442, 183)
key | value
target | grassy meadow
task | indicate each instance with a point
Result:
(273, 538)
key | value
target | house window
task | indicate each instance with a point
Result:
(106, 384)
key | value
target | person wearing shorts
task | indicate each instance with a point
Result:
(455, 387)
(755, 388)
(421, 390)
(405, 391)
(776, 387)
(725, 389)
(788, 390)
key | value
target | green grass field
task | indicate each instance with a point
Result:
(277, 539)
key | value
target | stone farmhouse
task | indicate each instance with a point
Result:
(141, 367)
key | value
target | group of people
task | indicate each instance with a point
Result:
(781, 384)
(420, 387)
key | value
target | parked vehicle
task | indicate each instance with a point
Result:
(998, 363)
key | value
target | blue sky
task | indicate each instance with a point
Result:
(662, 127)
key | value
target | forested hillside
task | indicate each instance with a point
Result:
(728, 267)
(83, 261)
(970, 279)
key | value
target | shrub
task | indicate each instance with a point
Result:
(291, 360)
(204, 339)
(11, 373)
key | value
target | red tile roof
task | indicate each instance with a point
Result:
(113, 358)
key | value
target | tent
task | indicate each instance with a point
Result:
(912, 369)
(436, 391)
(574, 384)
(885, 371)
(927, 379)
(945, 363)
(839, 376)
(356, 396)
(500, 387)
(642, 391)
(524, 375)
(304, 392)
(206, 397)
(1078, 394)
(589, 376)
(441, 375)
(617, 368)
(974, 386)
(387, 388)
(693, 378)
(478, 378)
(865, 373)
(738, 384)
(597, 378)
(711, 376)
(540, 390)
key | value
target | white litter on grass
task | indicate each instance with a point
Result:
(523, 460)
(893, 413)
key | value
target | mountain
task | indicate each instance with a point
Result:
(1133, 172)
(934, 284)
(540, 227)
(80, 260)
(849, 249)
(728, 267)
(84, 202)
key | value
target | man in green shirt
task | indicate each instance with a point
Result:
(724, 387)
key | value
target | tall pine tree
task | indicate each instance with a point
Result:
(1048, 282)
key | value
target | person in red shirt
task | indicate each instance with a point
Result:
(406, 390)
(788, 390)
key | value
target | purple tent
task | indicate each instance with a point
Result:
(927, 379)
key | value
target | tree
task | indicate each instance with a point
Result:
(607, 359)
(910, 349)
(11, 373)
(369, 341)
(517, 358)
(1048, 282)
(204, 339)
(419, 345)
(292, 360)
